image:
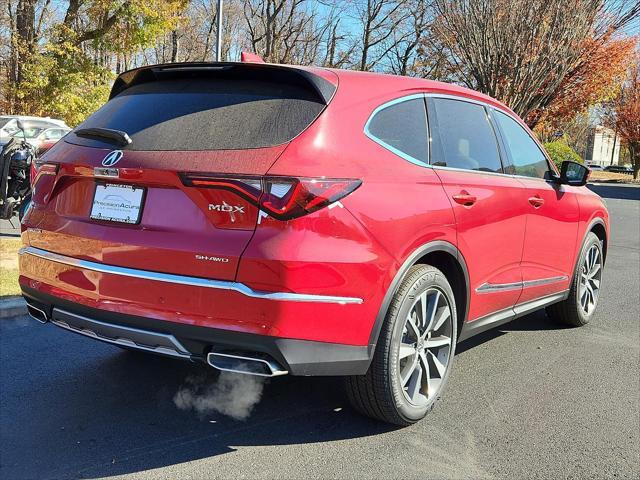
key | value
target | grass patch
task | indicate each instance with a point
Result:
(9, 266)
(610, 177)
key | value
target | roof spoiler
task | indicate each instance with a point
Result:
(246, 70)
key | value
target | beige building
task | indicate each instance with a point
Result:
(603, 146)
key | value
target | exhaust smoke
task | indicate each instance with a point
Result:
(231, 394)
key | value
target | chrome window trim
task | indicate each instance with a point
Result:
(420, 163)
(391, 148)
(455, 169)
(504, 287)
(185, 280)
(491, 108)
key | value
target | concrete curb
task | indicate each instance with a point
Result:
(12, 307)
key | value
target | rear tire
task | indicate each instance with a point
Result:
(414, 352)
(582, 301)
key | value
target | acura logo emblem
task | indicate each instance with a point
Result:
(112, 158)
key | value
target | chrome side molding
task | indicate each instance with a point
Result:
(504, 287)
(185, 280)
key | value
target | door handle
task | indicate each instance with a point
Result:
(536, 201)
(464, 198)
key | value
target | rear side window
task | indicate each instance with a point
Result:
(528, 160)
(402, 128)
(464, 139)
(206, 114)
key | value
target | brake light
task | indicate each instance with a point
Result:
(283, 198)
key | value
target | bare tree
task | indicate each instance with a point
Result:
(275, 28)
(409, 36)
(379, 21)
(520, 51)
(339, 47)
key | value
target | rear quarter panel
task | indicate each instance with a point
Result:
(399, 207)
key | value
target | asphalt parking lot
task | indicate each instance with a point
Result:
(529, 400)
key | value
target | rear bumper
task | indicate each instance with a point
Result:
(299, 357)
(201, 302)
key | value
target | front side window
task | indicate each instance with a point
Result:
(464, 137)
(528, 160)
(402, 128)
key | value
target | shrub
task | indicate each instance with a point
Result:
(559, 151)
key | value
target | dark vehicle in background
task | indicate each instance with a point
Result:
(619, 169)
(17, 159)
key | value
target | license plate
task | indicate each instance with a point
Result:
(117, 203)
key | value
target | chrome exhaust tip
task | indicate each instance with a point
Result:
(260, 365)
(37, 314)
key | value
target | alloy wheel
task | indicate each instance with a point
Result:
(590, 279)
(425, 347)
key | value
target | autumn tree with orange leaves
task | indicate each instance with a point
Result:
(596, 78)
(624, 114)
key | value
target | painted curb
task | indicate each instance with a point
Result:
(12, 307)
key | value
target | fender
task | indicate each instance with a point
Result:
(435, 246)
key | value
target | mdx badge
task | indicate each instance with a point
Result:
(226, 208)
(112, 158)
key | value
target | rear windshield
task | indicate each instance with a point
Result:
(206, 114)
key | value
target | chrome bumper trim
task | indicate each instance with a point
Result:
(147, 341)
(185, 280)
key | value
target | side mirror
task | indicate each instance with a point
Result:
(573, 173)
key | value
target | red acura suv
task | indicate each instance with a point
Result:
(273, 220)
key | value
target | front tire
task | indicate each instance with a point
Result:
(582, 301)
(414, 353)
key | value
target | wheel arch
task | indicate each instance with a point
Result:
(445, 257)
(598, 227)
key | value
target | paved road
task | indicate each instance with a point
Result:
(10, 227)
(528, 400)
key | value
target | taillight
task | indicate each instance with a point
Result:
(43, 183)
(283, 198)
(45, 169)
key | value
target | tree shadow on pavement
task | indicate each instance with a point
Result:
(620, 192)
(100, 412)
(535, 321)
(96, 411)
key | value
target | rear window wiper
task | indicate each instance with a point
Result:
(114, 136)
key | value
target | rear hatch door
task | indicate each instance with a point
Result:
(127, 205)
